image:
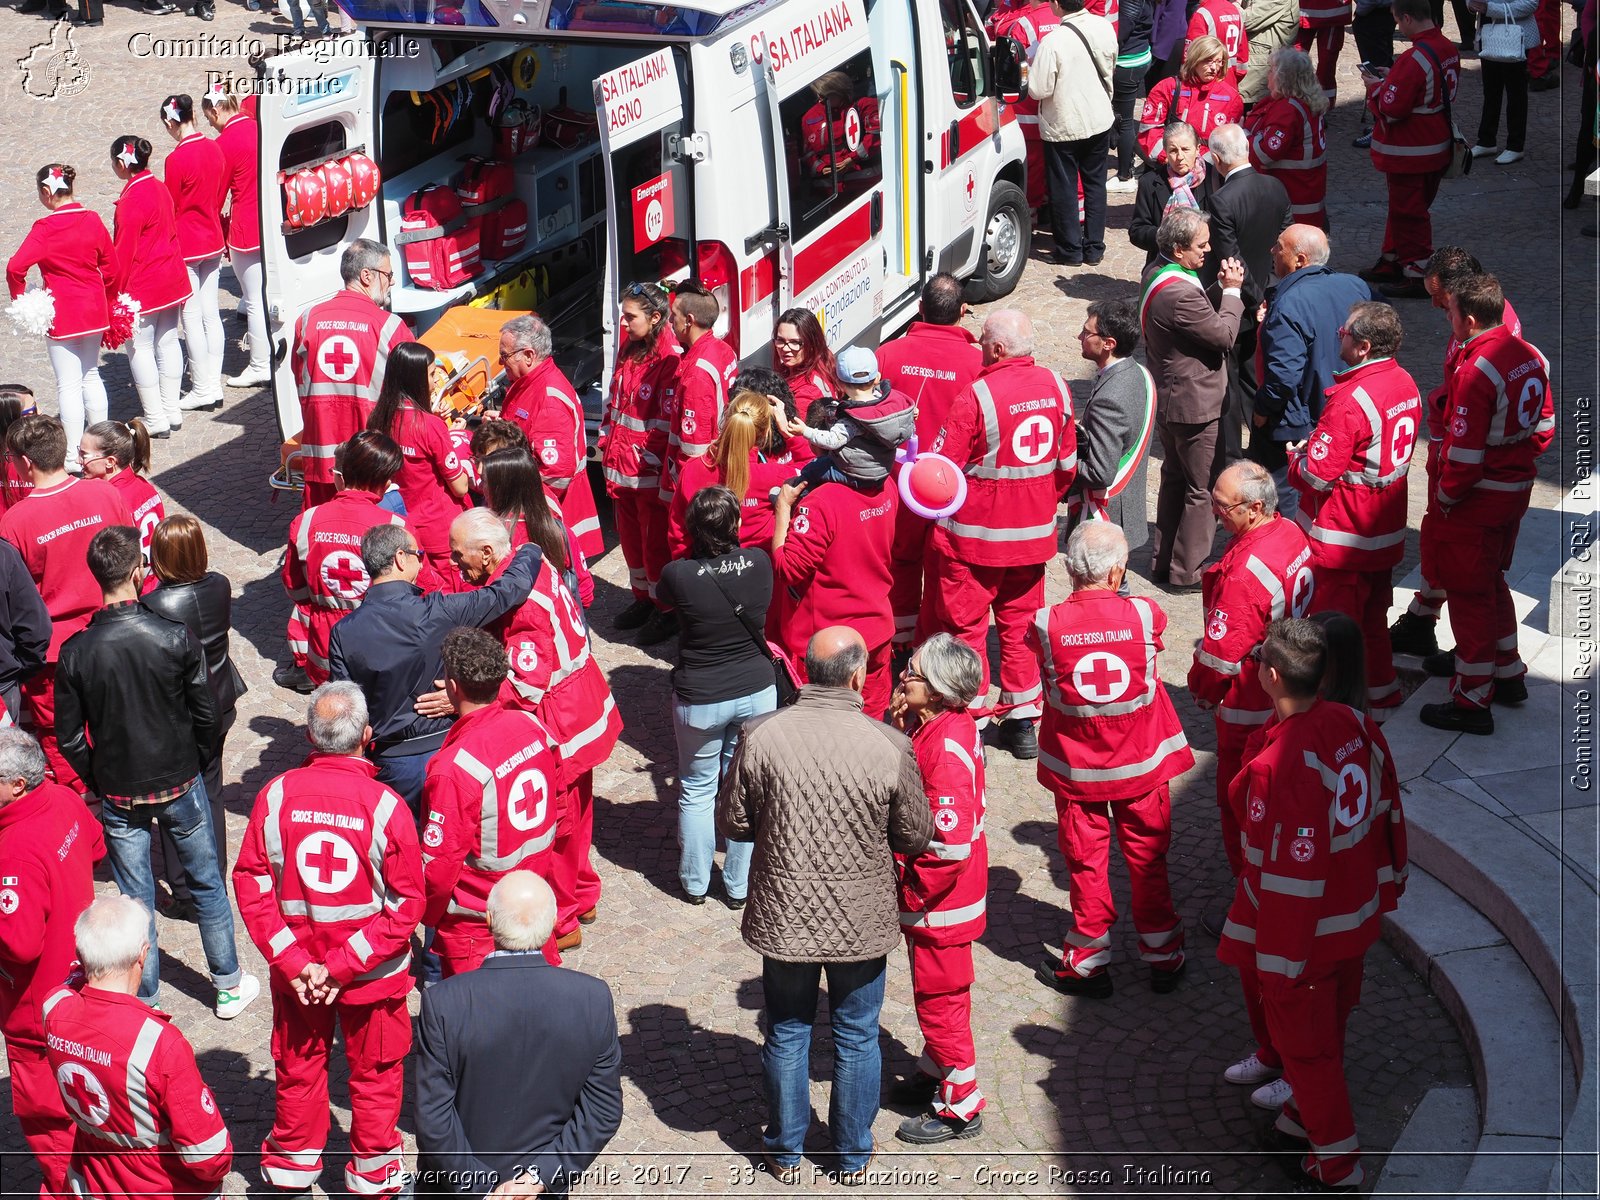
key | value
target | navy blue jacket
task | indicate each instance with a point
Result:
(1300, 347)
(24, 621)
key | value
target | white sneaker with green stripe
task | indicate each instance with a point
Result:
(233, 1001)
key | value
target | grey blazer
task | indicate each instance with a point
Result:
(1110, 423)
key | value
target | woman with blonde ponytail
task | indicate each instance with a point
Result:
(736, 462)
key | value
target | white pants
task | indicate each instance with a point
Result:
(202, 326)
(155, 360)
(247, 270)
(79, 392)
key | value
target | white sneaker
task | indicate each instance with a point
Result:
(250, 377)
(1509, 157)
(1271, 1096)
(1485, 151)
(1252, 1071)
(231, 1003)
(1118, 186)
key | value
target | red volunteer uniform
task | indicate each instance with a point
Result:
(430, 465)
(197, 179)
(1323, 22)
(1500, 416)
(341, 351)
(240, 143)
(1325, 858)
(1263, 575)
(145, 1122)
(1205, 106)
(1412, 143)
(694, 403)
(1026, 25)
(1223, 20)
(545, 404)
(1352, 483)
(72, 250)
(323, 572)
(1290, 143)
(144, 503)
(1108, 745)
(756, 514)
(1011, 433)
(943, 899)
(149, 262)
(493, 803)
(808, 385)
(330, 872)
(833, 569)
(634, 439)
(48, 847)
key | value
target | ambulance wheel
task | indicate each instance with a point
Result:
(1007, 239)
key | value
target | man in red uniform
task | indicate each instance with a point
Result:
(1323, 22)
(1499, 417)
(1264, 574)
(341, 351)
(48, 847)
(146, 1123)
(1411, 144)
(52, 527)
(1026, 24)
(1110, 743)
(329, 883)
(1352, 482)
(492, 800)
(1224, 20)
(1012, 434)
(1326, 858)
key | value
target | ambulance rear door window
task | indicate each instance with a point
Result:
(831, 142)
(308, 145)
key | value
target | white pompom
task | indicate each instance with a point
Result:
(33, 312)
(133, 306)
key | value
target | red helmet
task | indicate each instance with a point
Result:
(305, 198)
(337, 175)
(364, 179)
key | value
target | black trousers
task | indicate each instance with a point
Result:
(1374, 34)
(1508, 81)
(1125, 90)
(1584, 151)
(1240, 404)
(1065, 163)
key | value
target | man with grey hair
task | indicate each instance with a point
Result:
(1011, 433)
(1187, 341)
(826, 794)
(329, 884)
(1110, 746)
(48, 847)
(519, 1082)
(341, 352)
(147, 1124)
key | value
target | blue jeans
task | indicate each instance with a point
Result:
(405, 773)
(855, 998)
(707, 736)
(188, 821)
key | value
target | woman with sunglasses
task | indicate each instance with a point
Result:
(801, 355)
(119, 453)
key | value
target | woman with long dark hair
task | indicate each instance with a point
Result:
(16, 401)
(514, 490)
(801, 356)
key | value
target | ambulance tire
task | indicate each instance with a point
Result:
(1007, 240)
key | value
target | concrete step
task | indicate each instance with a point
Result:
(1434, 1150)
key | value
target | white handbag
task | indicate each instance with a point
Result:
(1501, 41)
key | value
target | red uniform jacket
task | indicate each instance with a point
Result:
(1223, 20)
(808, 385)
(1011, 433)
(1290, 143)
(943, 890)
(322, 570)
(48, 847)
(330, 872)
(545, 404)
(52, 528)
(833, 567)
(1263, 575)
(146, 1123)
(72, 250)
(430, 464)
(149, 262)
(694, 403)
(1109, 730)
(634, 435)
(1435, 403)
(144, 503)
(1324, 844)
(1025, 24)
(197, 178)
(1500, 416)
(932, 364)
(1410, 135)
(1319, 14)
(1204, 107)
(756, 516)
(1352, 476)
(240, 143)
(341, 351)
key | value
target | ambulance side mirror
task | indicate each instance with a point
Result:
(1009, 70)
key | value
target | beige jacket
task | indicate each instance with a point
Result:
(1074, 89)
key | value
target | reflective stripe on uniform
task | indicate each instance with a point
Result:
(943, 920)
(1064, 770)
(210, 1148)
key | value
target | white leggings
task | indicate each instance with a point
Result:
(155, 360)
(202, 323)
(247, 270)
(79, 392)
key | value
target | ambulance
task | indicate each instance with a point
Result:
(823, 154)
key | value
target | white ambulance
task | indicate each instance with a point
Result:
(822, 154)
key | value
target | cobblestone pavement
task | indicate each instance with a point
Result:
(1125, 1093)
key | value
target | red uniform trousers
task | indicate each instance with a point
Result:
(466, 953)
(941, 989)
(299, 637)
(46, 1127)
(39, 690)
(1329, 40)
(641, 520)
(958, 599)
(572, 876)
(1469, 561)
(377, 1037)
(313, 494)
(1231, 741)
(1364, 597)
(1546, 56)
(1144, 831)
(1408, 233)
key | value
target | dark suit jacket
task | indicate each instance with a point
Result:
(1109, 425)
(1248, 212)
(1150, 205)
(1186, 345)
(518, 1065)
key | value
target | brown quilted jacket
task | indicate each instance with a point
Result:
(826, 793)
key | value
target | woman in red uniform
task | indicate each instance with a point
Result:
(515, 492)
(801, 355)
(239, 140)
(197, 178)
(1288, 135)
(72, 250)
(16, 481)
(120, 454)
(144, 238)
(735, 462)
(1202, 94)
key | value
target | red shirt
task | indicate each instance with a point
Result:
(833, 567)
(144, 502)
(545, 404)
(149, 263)
(695, 402)
(240, 142)
(756, 515)
(16, 483)
(635, 435)
(931, 364)
(72, 250)
(197, 178)
(430, 465)
(944, 890)
(1205, 106)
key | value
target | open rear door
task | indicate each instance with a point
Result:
(311, 112)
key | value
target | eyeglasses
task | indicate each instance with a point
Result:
(911, 676)
(788, 343)
(416, 554)
(89, 458)
(508, 355)
(1254, 656)
(389, 275)
(1223, 510)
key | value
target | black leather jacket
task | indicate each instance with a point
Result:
(136, 684)
(205, 606)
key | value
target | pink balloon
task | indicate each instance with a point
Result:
(908, 451)
(932, 486)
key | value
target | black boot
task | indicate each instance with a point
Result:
(1411, 634)
(1019, 737)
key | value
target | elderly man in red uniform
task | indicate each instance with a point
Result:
(341, 352)
(1326, 858)
(1499, 417)
(1352, 483)
(48, 847)
(1012, 434)
(146, 1123)
(1110, 743)
(329, 883)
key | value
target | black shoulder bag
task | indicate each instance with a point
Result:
(783, 678)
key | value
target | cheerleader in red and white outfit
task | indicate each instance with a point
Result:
(120, 454)
(72, 250)
(149, 268)
(197, 177)
(239, 139)
(1203, 94)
